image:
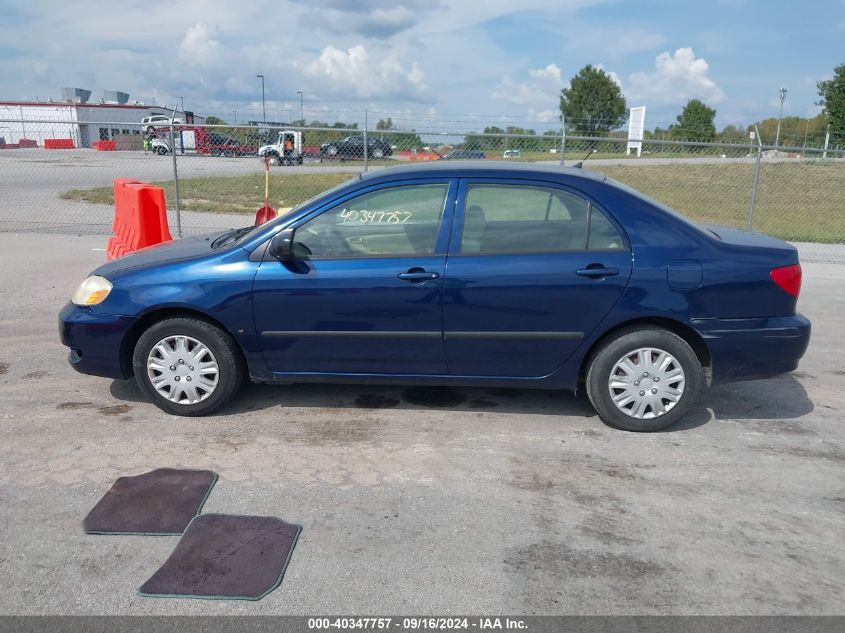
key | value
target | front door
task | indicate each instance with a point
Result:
(532, 270)
(364, 295)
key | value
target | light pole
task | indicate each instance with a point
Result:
(301, 110)
(182, 99)
(263, 110)
(782, 96)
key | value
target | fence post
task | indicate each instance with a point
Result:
(562, 139)
(754, 181)
(175, 181)
(366, 147)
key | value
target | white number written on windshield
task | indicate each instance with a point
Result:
(375, 217)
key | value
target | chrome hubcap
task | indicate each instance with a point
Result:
(646, 383)
(182, 369)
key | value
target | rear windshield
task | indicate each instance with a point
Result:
(663, 207)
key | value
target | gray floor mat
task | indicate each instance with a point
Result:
(160, 502)
(226, 557)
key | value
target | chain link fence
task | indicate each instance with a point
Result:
(213, 175)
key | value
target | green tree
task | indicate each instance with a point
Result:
(734, 134)
(696, 122)
(385, 125)
(832, 93)
(213, 120)
(593, 103)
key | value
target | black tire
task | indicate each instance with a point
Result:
(274, 159)
(378, 153)
(230, 364)
(161, 151)
(627, 341)
(299, 160)
(229, 153)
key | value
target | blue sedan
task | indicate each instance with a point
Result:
(452, 273)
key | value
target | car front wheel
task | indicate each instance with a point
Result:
(643, 379)
(187, 366)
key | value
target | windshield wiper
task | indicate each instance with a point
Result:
(231, 236)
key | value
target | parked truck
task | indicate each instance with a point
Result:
(287, 150)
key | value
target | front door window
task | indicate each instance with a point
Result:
(396, 222)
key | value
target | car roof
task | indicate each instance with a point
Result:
(458, 168)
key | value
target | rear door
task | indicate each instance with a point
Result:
(365, 295)
(532, 269)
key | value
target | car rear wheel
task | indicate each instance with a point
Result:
(643, 379)
(187, 367)
(378, 153)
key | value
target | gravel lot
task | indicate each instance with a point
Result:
(432, 501)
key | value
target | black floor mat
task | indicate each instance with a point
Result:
(226, 557)
(161, 502)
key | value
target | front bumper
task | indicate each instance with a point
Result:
(747, 349)
(95, 341)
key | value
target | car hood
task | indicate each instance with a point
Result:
(166, 252)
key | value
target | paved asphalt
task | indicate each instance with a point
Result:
(432, 501)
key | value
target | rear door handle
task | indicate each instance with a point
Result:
(597, 272)
(417, 275)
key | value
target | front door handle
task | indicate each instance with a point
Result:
(417, 274)
(597, 272)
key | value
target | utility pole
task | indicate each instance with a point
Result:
(263, 109)
(782, 96)
(182, 99)
(301, 110)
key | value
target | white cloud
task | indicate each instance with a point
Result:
(201, 46)
(541, 90)
(545, 116)
(356, 73)
(676, 78)
(378, 22)
(549, 73)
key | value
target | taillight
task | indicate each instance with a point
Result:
(788, 278)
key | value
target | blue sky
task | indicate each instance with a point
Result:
(425, 62)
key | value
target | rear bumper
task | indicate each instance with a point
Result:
(746, 349)
(95, 341)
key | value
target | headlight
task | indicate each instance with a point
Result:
(92, 291)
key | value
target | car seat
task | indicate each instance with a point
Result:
(475, 223)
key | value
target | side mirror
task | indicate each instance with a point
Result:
(281, 246)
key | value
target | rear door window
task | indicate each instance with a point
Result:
(505, 219)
